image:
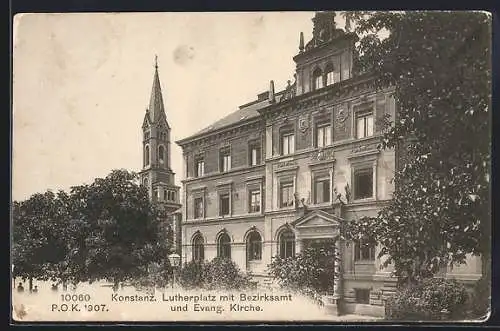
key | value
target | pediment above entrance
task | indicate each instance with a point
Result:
(317, 218)
(317, 224)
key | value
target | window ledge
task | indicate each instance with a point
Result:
(360, 201)
(322, 204)
(251, 213)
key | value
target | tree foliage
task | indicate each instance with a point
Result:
(439, 66)
(105, 230)
(310, 272)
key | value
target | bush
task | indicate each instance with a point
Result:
(219, 273)
(311, 272)
(224, 274)
(157, 275)
(427, 300)
(191, 275)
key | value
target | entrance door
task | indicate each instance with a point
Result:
(324, 250)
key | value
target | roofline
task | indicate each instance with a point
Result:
(353, 81)
(189, 139)
(346, 36)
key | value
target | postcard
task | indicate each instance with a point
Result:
(324, 166)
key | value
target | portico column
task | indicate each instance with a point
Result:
(299, 244)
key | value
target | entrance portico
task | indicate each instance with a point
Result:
(319, 228)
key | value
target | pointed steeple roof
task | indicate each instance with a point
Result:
(156, 108)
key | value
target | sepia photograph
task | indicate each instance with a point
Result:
(300, 166)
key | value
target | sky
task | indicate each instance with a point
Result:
(82, 82)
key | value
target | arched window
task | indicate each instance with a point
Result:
(330, 77)
(146, 155)
(317, 79)
(198, 248)
(146, 182)
(254, 246)
(224, 246)
(287, 244)
(161, 153)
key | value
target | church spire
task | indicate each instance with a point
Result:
(156, 108)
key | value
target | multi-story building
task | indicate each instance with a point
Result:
(284, 171)
(157, 175)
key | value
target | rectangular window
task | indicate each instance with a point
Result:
(364, 125)
(254, 154)
(200, 167)
(165, 194)
(363, 183)
(362, 295)
(332, 77)
(323, 135)
(287, 143)
(254, 201)
(224, 160)
(322, 190)
(198, 207)
(286, 194)
(364, 251)
(318, 82)
(224, 204)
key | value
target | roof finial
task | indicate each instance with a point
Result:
(156, 62)
(271, 91)
(301, 42)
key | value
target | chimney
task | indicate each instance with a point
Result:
(271, 92)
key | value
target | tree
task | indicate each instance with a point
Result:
(38, 246)
(439, 65)
(122, 228)
(106, 230)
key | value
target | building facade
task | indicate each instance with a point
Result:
(156, 174)
(283, 172)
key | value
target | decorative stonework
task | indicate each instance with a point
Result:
(341, 115)
(304, 123)
(323, 155)
(285, 164)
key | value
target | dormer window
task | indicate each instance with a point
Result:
(332, 77)
(317, 79)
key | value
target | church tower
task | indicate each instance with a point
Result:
(156, 173)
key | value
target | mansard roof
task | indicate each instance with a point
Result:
(246, 112)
